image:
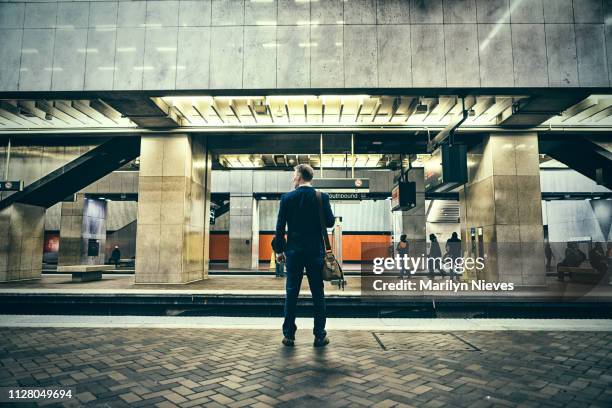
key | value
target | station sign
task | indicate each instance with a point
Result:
(341, 183)
(446, 169)
(403, 196)
(11, 185)
(347, 196)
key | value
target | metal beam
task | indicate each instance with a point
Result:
(87, 110)
(448, 130)
(533, 111)
(142, 110)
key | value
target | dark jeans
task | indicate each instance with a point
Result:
(280, 269)
(296, 262)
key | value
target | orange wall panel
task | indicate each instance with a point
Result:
(219, 247)
(351, 246)
(265, 247)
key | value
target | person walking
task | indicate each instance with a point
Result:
(116, 256)
(303, 249)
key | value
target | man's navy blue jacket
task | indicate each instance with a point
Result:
(299, 211)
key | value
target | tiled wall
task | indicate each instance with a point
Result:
(236, 44)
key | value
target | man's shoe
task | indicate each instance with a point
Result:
(288, 342)
(321, 341)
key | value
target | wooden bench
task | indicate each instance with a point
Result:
(581, 274)
(83, 273)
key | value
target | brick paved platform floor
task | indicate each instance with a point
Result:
(114, 367)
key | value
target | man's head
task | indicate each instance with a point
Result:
(303, 173)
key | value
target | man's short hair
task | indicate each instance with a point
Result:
(305, 171)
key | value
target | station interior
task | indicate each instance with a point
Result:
(141, 171)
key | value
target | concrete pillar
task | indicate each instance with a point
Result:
(243, 232)
(21, 242)
(81, 221)
(503, 199)
(173, 209)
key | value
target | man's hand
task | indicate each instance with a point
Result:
(280, 257)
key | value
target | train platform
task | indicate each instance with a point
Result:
(263, 295)
(190, 362)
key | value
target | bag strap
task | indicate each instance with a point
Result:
(322, 221)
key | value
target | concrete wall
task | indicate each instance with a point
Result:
(278, 181)
(125, 238)
(356, 216)
(120, 213)
(569, 220)
(240, 44)
(568, 181)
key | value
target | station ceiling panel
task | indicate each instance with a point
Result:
(60, 114)
(336, 110)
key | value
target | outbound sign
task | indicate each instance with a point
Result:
(11, 185)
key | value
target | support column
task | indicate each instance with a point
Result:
(21, 242)
(81, 221)
(243, 222)
(173, 209)
(243, 232)
(503, 200)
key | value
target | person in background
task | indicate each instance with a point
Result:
(548, 253)
(402, 249)
(116, 256)
(435, 253)
(573, 257)
(279, 266)
(598, 260)
(453, 249)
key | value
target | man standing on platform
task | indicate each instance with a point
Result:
(303, 249)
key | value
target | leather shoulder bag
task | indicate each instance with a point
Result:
(332, 271)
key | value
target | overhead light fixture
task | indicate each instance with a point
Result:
(471, 112)
(48, 116)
